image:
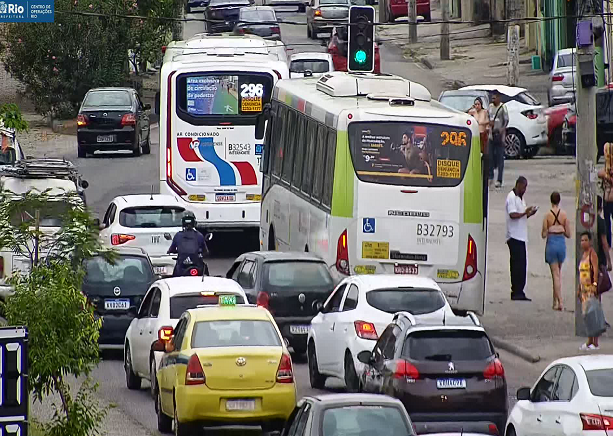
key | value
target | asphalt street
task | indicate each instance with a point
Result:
(117, 174)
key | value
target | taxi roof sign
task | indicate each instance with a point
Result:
(227, 300)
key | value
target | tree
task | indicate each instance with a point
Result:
(11, 118)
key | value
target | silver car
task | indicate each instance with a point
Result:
(323, 15)
(562, 78)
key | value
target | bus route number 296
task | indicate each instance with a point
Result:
(250, 90)
(435, 230)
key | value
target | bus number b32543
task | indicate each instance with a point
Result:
(435, 230)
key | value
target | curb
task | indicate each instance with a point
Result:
(518, 351)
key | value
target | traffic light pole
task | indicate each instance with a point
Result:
(412, 11)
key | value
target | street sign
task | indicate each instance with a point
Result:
(14, 398)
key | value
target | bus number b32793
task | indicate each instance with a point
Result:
(435, 230)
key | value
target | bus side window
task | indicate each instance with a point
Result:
(289, 139)
(329, 173)
(319, 166)
(299, 151)
(307, 171)
(280, 127)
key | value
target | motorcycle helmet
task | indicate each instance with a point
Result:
(188, 220)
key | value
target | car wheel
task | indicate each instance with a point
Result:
(138, 150)
(510, 431)
(152, 377)
(164, 422)
(147, 146)
(81, 151)
(513, 144)
(318, 381)
(179, 428)
(132, 380)
(352, 382)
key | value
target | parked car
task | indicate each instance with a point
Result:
(569, 132)
(359, 309)
(348, 414)
(289, 284)
(323, 15)
(527, 129)
(555, 124)
(195, 4)
(573, 396)
(258, 20)
(316, 62)
(447, 372)
(389, 10)
(113, 119)
(222, 15)
(337, 47)
(116, 291)
(10, 149)
(463, 100)
(562, 78)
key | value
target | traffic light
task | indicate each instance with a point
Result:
(361, 51)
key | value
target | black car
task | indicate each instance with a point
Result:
(116, 291)
(192, 4)
(348, 414)
(258, 20)
(448, 372)
(289, 285)
(113, 119)
(222, 15)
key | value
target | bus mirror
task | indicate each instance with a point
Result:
(157, 102)
(260, 122)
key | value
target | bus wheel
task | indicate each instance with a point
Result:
(272, 243)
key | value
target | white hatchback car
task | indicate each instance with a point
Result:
(145, 221)
(527, 129)
(163, 305)
(317, 63)
(573, 396)
(357, 311)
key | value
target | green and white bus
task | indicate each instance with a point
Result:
(374, 176)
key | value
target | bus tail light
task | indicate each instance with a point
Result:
(365, 330)
(194, 374)
(342, 254)
(470, 266)
(278, 74)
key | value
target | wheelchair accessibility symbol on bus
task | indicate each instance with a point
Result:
(368, 225)
(190, 174)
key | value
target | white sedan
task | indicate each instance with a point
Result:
(354, 315)
(573, 396)
(145, 221)
(316, 62)
(158, 315)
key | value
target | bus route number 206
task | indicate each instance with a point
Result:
(454, 138)
(435, 230)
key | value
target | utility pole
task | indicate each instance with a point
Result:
(513, 55)
(412, 11)
(445, 31)
(586, 149)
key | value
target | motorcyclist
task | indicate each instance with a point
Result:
(189, 243)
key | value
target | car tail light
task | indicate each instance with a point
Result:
(81, 120)
(342, 254)
(263, 299)
(128, 120)
(494, 369)
(593, 421)
(165, 333)
(530, 114)
(118, 239)
(276, 30)
(285, 373)
(493, 429)
(365, 330)
(470, 266)
(558, 77)
(405, 370)
(317, 13)
(194, 374)
(163, 49)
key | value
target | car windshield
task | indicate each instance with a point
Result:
(297, 274)
(528, 98)
(51, 216)
(181, 303)
(600, 382)
(447, 345)
(127, 269)
(235, 333)
(8, 156)
(415, 301)
(107, 98)
(151, 216)
(253, 15)
(314, 65)
(459, 102)
(566, 60)
(364, 420)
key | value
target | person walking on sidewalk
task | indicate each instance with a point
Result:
(556, 228)
(604, 254)
(499, 120)
(481, 115)
(588, 284)
(606, 176)
(517, 235)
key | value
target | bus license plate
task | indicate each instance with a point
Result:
(299, 329)
(451, 383)
(225, 198)
(106, 138)
(116, 304)
(406, 269)
(240, 405)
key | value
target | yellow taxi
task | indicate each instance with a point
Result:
(224, 365)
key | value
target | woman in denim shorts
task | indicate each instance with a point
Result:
(556, 228)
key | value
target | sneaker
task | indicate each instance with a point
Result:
(498, 185)
(585, 347)
(593, 347)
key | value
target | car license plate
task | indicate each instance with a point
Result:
(406, 269)
(299, 329)
(240, 405)
(106, 138)
(159, 269)
(225, 198)
(451, 383)
(116, 304)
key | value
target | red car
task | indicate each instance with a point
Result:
(337, 47)
(392, 9)
(555, 121)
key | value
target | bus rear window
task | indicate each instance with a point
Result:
(202, 95)
(409, 154)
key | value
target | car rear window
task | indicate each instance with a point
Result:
(127, 269)
(565, 60)
(447, 345)
(235, 333)
(415, 301)
(528, 98)
(313, 65)
(335, 2)
(107, 98)
(364, 420)
(297, 274)
(181, 303)
(258, 15)
(151, 216)
(600, 382)
(459, 102)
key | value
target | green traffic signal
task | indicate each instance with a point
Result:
(360, 56)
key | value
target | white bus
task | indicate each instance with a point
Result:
(212, 89)
(374, 176)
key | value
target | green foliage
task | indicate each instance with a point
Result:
(11, 117)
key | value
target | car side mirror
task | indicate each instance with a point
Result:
(364, 357)
(522, 394)
(159, 345)
(147, 107)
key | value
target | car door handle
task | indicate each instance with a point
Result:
(539, 419)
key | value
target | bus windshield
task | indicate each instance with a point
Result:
(409, 154)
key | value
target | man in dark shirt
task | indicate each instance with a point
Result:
(188, 243)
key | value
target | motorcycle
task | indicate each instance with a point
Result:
(193, 265)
